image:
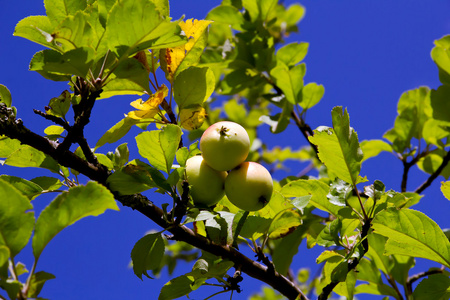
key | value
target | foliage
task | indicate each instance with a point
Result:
(236, 62)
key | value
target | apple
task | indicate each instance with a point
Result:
(225, 145)
(249, 186)
(207, 184)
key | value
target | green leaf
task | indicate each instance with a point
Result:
(147, 254)
(4, 256)
(177, 287)
(432, 162)
(74, 62)
(47, 183)
(5, 95)
(193, 86)
(27, 156)
(284, 224)
(329, 236)
(58, 10)
(67, 208)
(287, 248)
(441, 56)
(131, 179)
(339, 149)
(226, 14)
(440, 103)
(311, 94)
(279, 122)
(37, 29)
(115, 133)
(436, 287)
(136, 25)
(159, 146)
(75, 31)
(445, 189)
(412, 233)
(16, 219)
(11, 287)
(434, 131)
(8, 146)
(316, 188)
(54, 130)
(28, 188)
(372, 148)
(340, 191)
(37, 283)
(59, 106)
(133, 70)
(290, 81)
(293, 53)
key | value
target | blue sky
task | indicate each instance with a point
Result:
(365, 53)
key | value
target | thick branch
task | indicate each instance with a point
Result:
(433, 176)
(14, 129)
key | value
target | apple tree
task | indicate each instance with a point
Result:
(191, 74)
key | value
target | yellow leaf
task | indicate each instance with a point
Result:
(192, 118)
(173, 57)
(149, 108)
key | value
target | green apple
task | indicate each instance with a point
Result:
(225, 145)
(207, 184)
(249, 186)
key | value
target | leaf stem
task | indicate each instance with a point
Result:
(27, 284)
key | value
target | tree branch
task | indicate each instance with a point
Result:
(433, 176)
(13, 128)
(418, 276)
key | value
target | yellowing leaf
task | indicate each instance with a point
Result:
(179, 58)
(193, 117)
(149, 108)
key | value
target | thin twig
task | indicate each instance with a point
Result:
(418, 276)
(54, 119)
(433, 176)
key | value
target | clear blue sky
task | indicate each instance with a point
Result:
(365, 53)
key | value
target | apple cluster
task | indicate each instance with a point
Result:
(222, 170)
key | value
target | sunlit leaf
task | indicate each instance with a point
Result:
(290, 81)
(16, 219)
(136, 25)
(5, 95)
(284, 224)
(160, 146)
(115, 133)
(27, 156)
(58, 10)
(310, 95)
(37, 29)
(175, 60)
(192, 117)
(293, 53)
(27, 188)
(67, 208)
(412, 233)
(339, 149)
(316, 188)
(372, 148)
(37, 283)
(193, 86)
(445, 189)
